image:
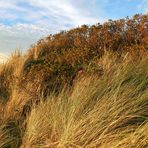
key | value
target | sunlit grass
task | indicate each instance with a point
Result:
(107, 111)
(105, 107)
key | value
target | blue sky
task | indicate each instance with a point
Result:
(23, 22)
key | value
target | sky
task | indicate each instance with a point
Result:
(23, 22)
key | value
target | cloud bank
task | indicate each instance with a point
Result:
(23, 22)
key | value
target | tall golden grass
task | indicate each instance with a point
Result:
(107, 110)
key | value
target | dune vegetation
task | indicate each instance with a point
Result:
(82, 88)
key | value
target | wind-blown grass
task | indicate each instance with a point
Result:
(104, 111)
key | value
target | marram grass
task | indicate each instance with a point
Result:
(98, 111)
(107, 112)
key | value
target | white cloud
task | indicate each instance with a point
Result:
(19, 36)
(51, 10)
(145, 6)
(30, 20)
(61, 9)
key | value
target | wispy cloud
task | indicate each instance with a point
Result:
(19, 36)
(144, 6)
(55, 11)
(64, 9)
(23, 22)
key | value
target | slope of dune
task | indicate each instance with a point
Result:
(83, 88)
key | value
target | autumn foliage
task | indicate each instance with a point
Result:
(58, 58)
